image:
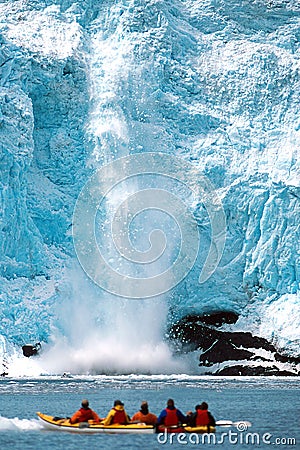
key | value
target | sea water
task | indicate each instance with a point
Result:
(272, 405)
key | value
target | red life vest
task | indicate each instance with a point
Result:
(119, 417)
(171, 417)
(86, 414)
(202, 417)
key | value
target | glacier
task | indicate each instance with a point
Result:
(213, 82)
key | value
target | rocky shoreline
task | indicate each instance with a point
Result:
(231, 352)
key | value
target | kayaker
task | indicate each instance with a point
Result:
(117, 415)
(144, 416)
(171, 416)
(84, 414)
(202, 416)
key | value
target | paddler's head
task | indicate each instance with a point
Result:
(170, 403)
(118, 403)
(203, 406)
(144, 407)
(85, 404)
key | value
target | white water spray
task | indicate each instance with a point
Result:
(102, 333)
(17, 424)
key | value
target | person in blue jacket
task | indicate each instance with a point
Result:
(171, 416)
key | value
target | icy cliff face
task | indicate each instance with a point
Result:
(216, 83)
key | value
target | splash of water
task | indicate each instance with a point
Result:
(17, 424)
(97, 333)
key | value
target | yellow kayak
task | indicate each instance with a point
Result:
(63, 424)
(186, 429)
(60, 424)
(200, 429)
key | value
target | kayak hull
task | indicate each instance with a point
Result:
(52, 423)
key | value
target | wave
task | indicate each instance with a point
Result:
(17, 424)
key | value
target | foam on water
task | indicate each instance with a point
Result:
(17, 424)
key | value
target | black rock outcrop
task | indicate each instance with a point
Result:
(220, 349)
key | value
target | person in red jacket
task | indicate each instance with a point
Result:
(202, 417)
(144, 416)
(117, 415)
(171, 416)
(84, 414)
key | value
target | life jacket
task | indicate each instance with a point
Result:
(148, 419)
(119, 417)
(171, 417)
(85, 414)
(202, 417)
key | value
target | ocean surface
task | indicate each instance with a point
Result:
(272, 405)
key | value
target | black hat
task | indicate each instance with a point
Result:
(118, 402)
(170, 402)
(203, 405)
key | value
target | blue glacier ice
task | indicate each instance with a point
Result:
(214, 82)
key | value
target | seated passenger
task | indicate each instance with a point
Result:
(84, 414)
(117, 415)
(171, 416)
(202, 416)
(144, 416)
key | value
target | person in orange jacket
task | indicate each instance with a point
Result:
(117, 415)
(84, 414)
(144, 416)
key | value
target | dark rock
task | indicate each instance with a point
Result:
(218, 318)
(223, 350)
(31, 350)
(218, 346)
(287, 359)
(190, 330)
(259, 358)
(253, 371)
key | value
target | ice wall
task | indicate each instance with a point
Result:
(214, 82)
